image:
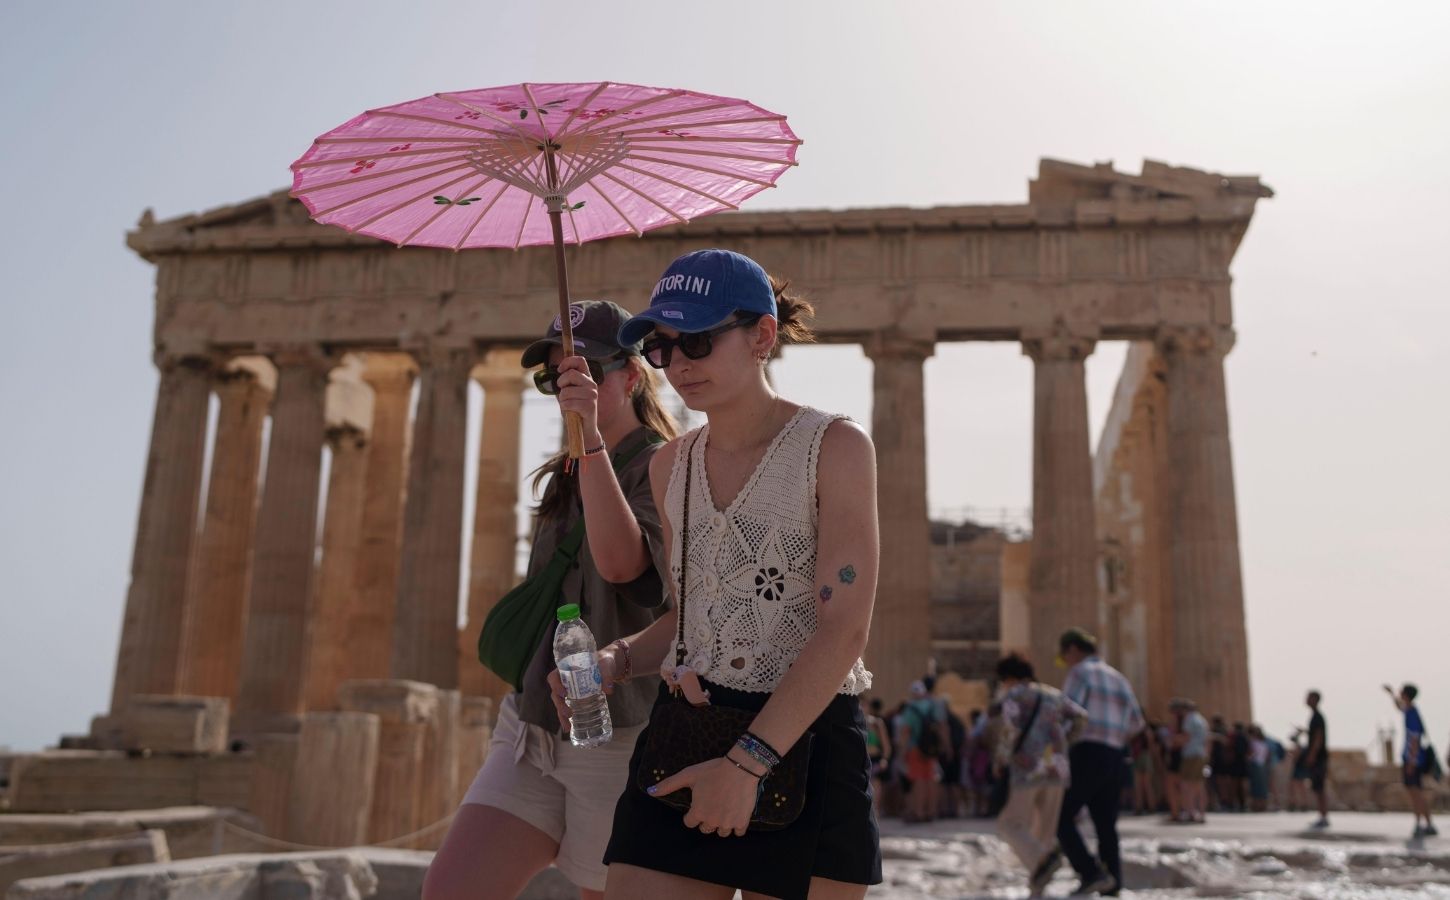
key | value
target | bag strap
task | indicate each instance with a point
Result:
(684, 555)
(1031, 720)
(568, 548)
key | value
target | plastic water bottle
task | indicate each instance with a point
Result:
(574, 649)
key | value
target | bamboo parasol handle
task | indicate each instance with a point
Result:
(573, 422)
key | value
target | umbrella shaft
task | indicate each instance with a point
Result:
(573, 425)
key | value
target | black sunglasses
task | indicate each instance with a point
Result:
(547, 378)
(658, 351)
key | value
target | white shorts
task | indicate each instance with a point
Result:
(566, 792)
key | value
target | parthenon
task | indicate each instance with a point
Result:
(327, 335)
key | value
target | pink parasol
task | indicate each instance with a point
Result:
(535, 164)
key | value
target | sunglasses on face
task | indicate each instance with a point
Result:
(658, 351)
(547, 378)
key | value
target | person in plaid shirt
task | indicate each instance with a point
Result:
(1096, 758)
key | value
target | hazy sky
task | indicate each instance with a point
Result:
(1339, 386)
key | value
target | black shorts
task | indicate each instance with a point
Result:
(1414, 777)
(1175, 761)
(1318, 775)
(835, 836)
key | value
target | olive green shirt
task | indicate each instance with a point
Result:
(610, 610)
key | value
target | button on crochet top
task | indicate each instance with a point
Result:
(750, 597)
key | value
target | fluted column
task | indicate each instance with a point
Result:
(275, 645)
(1210, 648)
(329, 655)
(495, 523)
(1062, 579)
(217, 591)
(149, 658)
(900, 642)
(371, 634)
(425, 628)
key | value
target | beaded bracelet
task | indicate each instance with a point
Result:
(758, 750)
(624, 673)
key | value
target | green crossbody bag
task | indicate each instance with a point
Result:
(518, 622)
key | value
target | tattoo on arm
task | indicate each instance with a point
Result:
(826, 593)
(848, 575)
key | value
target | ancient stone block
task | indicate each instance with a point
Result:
(273, 762)
(164, 724)
(190, 831)
(332, 786)
(291, 876)
(406, 711)
(34, 861)
(66, 780)
(474, 731)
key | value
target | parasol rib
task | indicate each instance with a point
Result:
(388, 212)
(607, 122)
(634, 190)
(612, 125)
(443, 208)
(388, 139)
(393, 187)
(355, 179)
(710, 124)
(493, 133)
(600, 191)
(564, 129)
(343, 160)
(690, 151)
(679, 184)
(510, 124)
(538, 114)
(706, 169)
(668, 138)
(523, 223)
(502, 186)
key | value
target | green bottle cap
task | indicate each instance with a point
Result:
(568, 612)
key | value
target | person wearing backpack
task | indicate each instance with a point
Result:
(922, 731)
(1418, 758)
(598, 542)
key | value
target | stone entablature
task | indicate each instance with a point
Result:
(1122, 254)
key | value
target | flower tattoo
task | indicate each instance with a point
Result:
(826, 593)
(848, 575)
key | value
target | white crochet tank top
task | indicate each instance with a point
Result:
(750, 597)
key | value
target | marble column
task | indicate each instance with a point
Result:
(371, 633)
(216, 605)
(275, 645)
(149, 659)
(900, 642)
(425, 624)
(1063, 585)
(495, 522)
(330, 656)
(1210, 648)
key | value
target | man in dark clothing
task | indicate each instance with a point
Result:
(1315, 758)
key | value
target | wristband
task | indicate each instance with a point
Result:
(758, 750)
(622, 674)
(597, 450)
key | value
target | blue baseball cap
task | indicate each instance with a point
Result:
(700, 290)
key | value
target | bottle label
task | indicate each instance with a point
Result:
(580, 675)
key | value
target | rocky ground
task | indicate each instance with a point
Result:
(1263, 856)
